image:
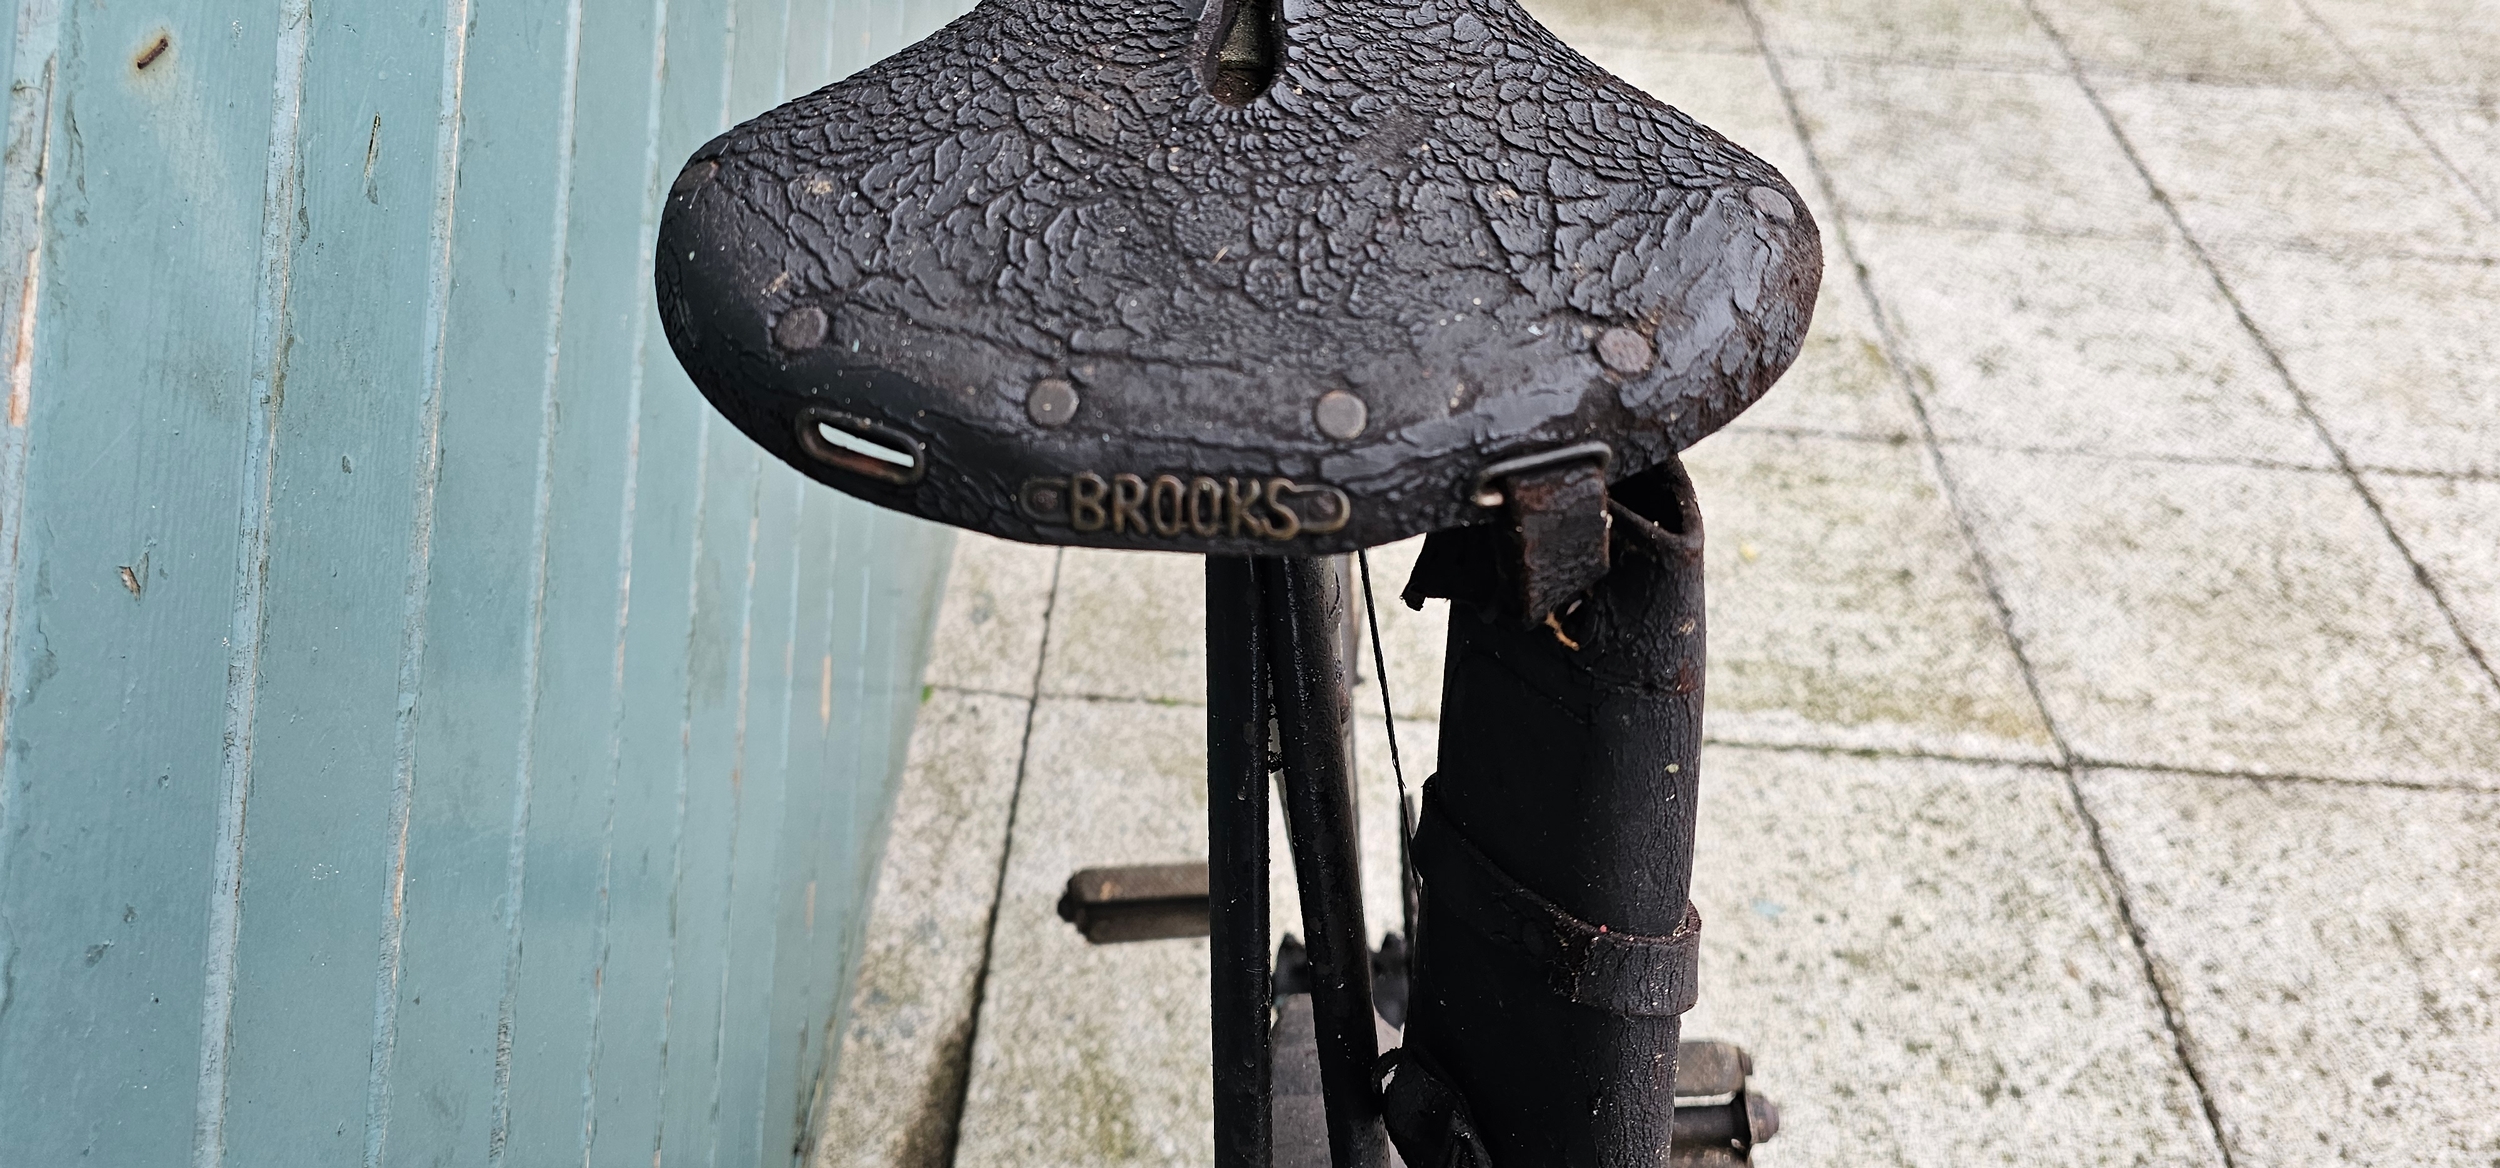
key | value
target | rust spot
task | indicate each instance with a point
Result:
(156, 48)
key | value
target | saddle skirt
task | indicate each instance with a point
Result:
(1231, 279)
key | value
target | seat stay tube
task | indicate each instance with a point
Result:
(1302, 605)
(1241, 985)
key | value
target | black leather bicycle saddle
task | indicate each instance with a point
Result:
(1128, 274)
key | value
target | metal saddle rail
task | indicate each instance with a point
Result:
(1268, 281)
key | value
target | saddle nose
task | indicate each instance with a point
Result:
(1234, 278)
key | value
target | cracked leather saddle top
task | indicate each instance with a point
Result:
(1293, 279)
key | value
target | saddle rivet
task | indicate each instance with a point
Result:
(694, 176)
(801, 329)
(1624, 351)
(1771, 203)
(1050, 403)
(1340, 415)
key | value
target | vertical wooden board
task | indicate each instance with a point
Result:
(847, 51)
(845, 754)
(825, 949)
(758, 876)
(351, 470)
(834, 768)
(718, 671)
(139, 397)
(904, 588)
(912, 579)
(759, 58)
(891, 578)
(568, 856)
(670, 444)
(725, 660)
(808, 50)
(470, 769)
(803, 984)
(629, 1043)
(800, 985)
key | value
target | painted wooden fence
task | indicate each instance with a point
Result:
(430, 735)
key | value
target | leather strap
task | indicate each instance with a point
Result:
(1426, 1119)
(1628, 974)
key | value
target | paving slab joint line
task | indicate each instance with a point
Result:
(960, 1089)
(1833, 749)
(2151, 456)
(2293, 778)
(2248, 323)
(2378, 85)
(2172, 1017)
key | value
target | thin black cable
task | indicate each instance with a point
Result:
(1389, 720)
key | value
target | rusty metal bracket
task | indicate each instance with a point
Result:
(1555, 529)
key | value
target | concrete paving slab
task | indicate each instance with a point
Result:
(2401, 357)
(2021, 151)
(2226, 618)
(899, 1076)
(1086, 1054)
(2109, 346)
(1587, 25)
(1996, 33)
(2467, 134)
(2453, 527)
(2335, 952)
(2270, 42)
(2334, 171)
(1928, 968)
(1845, 610)
(989, 627)
(1412, 640)
(1842, 382)
(2450, 46)
(1129, 625)
(1377, 794)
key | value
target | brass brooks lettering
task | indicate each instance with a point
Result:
(1170, 506)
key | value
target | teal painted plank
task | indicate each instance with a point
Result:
(471, 768)
(716, 699)
(565, 910)
(349, 527)
(808, 50)
(548, 710)
(137, 402)
(722, 694)
(800, 987)
(899, 580)
(762, 800)
(637, 1002)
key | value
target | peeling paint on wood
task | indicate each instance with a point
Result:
(422, 736)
